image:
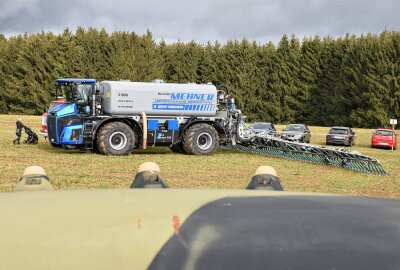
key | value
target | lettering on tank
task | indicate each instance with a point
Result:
(124, 98)
(183, 101)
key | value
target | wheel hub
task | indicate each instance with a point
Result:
(118, 140)
(204, 141)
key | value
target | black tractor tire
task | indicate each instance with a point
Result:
(69, 147)
(178, 148)
(116, 139)
(55, 145)
(201, 139)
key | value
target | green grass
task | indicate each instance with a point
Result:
(225, 169)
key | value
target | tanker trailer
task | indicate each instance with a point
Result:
(114, 117)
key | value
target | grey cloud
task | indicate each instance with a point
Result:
(261, 20)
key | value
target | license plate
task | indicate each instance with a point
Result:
(338, 137)
(383, 143)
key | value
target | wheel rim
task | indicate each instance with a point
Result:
(118, 141)
(204, 141)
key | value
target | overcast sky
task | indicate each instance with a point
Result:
(204, 20)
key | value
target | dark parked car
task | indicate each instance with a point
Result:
(258, 127)
(297, 132)
(340, 136)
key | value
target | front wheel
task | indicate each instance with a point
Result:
(116, 138)
(201, 139)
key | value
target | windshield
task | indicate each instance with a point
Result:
(83, 93)
(338, 131)
(263, 126)
(384, 133)
(53, 104)
(295, 128)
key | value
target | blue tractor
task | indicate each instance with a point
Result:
(64, 121)
(114, 117)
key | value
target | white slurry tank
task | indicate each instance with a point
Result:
(168, 99)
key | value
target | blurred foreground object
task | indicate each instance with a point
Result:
(195, 228)
(265, 177)
(148, 176)
(34, 178)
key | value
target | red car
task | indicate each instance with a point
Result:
(43, 129)
(382, 137)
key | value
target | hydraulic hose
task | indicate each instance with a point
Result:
(144, 119)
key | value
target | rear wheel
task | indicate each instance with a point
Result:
(116, 138)
(201, 139)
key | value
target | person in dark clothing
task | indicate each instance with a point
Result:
(32, 137)
(18, 131)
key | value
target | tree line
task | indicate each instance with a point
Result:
(351, 81)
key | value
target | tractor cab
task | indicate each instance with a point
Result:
(77, 91)
(65, 122)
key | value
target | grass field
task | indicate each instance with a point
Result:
(226, 169)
